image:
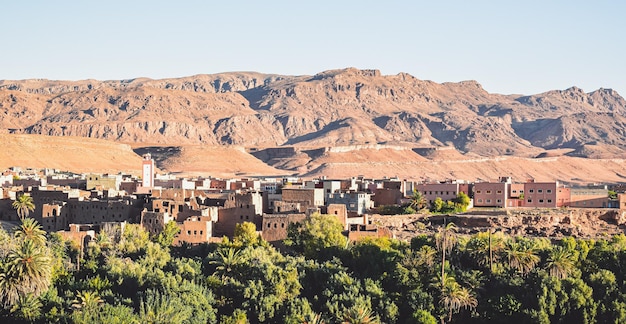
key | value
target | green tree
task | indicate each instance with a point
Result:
(227, 262)
(109, 314)
(453, 297)
(87, 301)
(28, 307)
(28, 267)
(418, 201)
(445, 240)
(29, 229)
(317, 235)
(421, 316)
(462, 201)
(360, 315)
(237, 317)
(485, 248)
(522, 255)
(156, 308)
(438, 205)
(167, 235)
(23, 205)
(560, 262)
(246, 234)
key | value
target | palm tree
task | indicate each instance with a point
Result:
(227, 262)
(32, 266)
(87, 300)
(418, 201)
(360, 315)
(560, 262)
(484, 248)
(30, 230)
(445, 239)
(522, 255)
(98, 284)
(28, 307)
(454, 297)
(313, 319)
(24, 205)
(9, 286)
(426, 256)
(163, 308)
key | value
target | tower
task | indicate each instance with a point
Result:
(147, 171)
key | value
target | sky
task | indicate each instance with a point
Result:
(510, 47)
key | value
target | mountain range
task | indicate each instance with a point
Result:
(332, 112)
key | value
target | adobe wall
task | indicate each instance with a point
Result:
(194, 230)
(275, 226)
(384, 196)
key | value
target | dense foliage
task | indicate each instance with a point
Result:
(131, 277)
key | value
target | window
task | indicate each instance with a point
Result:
(200, 232)
(531, 190)
(499, 191)
(188, 232)
(549, 191)
(195, 232)
(541, 201)
(180, 208)
(269, 225)
(282, 225)
(514, 191)
(488, 201)
(540, 190)
(549, 201)
(480, 200)
(529, 200)
(478, 191)
(521, 191)
(241, 217)
(488, 191)
(499, 201)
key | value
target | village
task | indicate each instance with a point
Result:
(78, 206)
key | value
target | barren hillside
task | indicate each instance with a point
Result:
(387, 117)
(68, 153)
(338, 107)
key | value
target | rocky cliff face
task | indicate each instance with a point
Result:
(338, 107)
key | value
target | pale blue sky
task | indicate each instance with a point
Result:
(508, 46)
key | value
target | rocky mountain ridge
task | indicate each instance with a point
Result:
(338, 107)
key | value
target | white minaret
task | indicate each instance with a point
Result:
(147, 171)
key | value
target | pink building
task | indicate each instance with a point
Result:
(545, 195)
(516, 195)
(446, 191)
(491, 194)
